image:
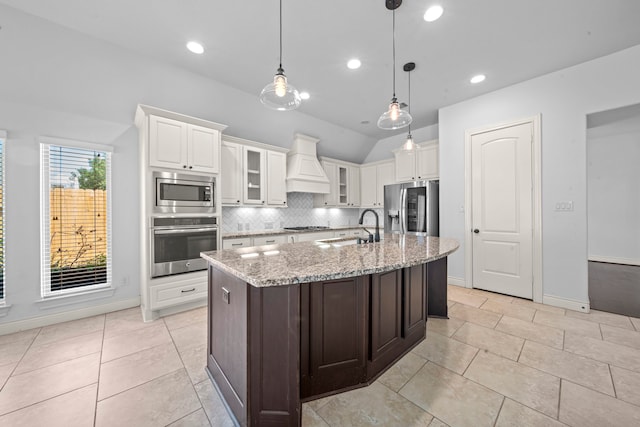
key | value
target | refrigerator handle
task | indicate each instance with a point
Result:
(403, 210)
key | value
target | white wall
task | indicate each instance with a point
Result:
(613, 196)
(563, 98)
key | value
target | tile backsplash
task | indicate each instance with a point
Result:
(300, 212)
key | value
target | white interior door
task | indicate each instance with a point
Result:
(502, 210)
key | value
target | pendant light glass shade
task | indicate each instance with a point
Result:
(409, 145)
(280, 95)
(394, 117)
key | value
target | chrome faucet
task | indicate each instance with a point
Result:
(372, 238)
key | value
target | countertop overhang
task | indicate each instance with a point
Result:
(304, 262)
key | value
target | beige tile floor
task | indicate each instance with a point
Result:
(498, 361)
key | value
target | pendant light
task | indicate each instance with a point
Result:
(280, 95)
(409, 145)
(394, 117)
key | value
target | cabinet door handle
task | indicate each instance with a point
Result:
(236, 244)
(190, 167)
(184, 291)
(237, 201)
(270, 241)
(184, 166)
(263, 202)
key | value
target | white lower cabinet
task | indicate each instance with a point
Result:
(355, 232)
(169, 294)
(236, 243)
(269, 240)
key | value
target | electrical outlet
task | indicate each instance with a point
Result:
(566, 206)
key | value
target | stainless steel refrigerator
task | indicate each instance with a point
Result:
(412, 208)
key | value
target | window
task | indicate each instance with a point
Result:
(2, 138)
(76, 217)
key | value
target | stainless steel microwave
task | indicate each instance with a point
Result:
(182, 193)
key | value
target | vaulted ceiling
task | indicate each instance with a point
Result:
(508, 41)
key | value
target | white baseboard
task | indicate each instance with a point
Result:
(566, 303)
(458, 281)
(38, 322)
(614, 260)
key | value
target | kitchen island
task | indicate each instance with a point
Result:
(294, 322)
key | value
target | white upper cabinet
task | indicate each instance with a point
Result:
(321, 200)
(344, 185)
(203, 149)
(373, 178)
(254, 169)
(252, 174)
(276, 178)
(421, 163)
(174, 144)
(405, 165)
(427, 161)
(353, 183)
(231, 173)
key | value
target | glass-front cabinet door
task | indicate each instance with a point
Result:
(254, 180)
(343, 189)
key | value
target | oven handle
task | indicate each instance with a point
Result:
(185, 230)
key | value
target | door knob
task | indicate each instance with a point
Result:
(475, 230)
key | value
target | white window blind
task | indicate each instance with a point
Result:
(2, 217)
(76, 219)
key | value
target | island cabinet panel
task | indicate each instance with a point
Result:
(253, 348)
(437, 288)
(227, 352)
(415, 301)
(273, 362)
(386, 320)
(333, 335)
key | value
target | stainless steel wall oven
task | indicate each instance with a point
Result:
(183, 193)
(176, 243)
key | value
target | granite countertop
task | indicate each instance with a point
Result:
(274, 231)
(290, 263)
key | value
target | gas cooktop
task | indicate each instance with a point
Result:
(307, 227)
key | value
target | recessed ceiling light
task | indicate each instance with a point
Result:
(305, 95)
(477, 78)
(354, 64)
(433, 13)
(195, 47)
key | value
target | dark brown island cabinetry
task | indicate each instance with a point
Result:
(270, 348)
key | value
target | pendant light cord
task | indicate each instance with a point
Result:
(394, 52)
(409, 106)
(280, 35)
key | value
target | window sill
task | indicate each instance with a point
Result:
(56, 301)
(4, 309)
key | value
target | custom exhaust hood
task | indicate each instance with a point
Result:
(304, 172)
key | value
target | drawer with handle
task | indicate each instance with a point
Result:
(269, 240)
(236, 243)
(170, 294)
